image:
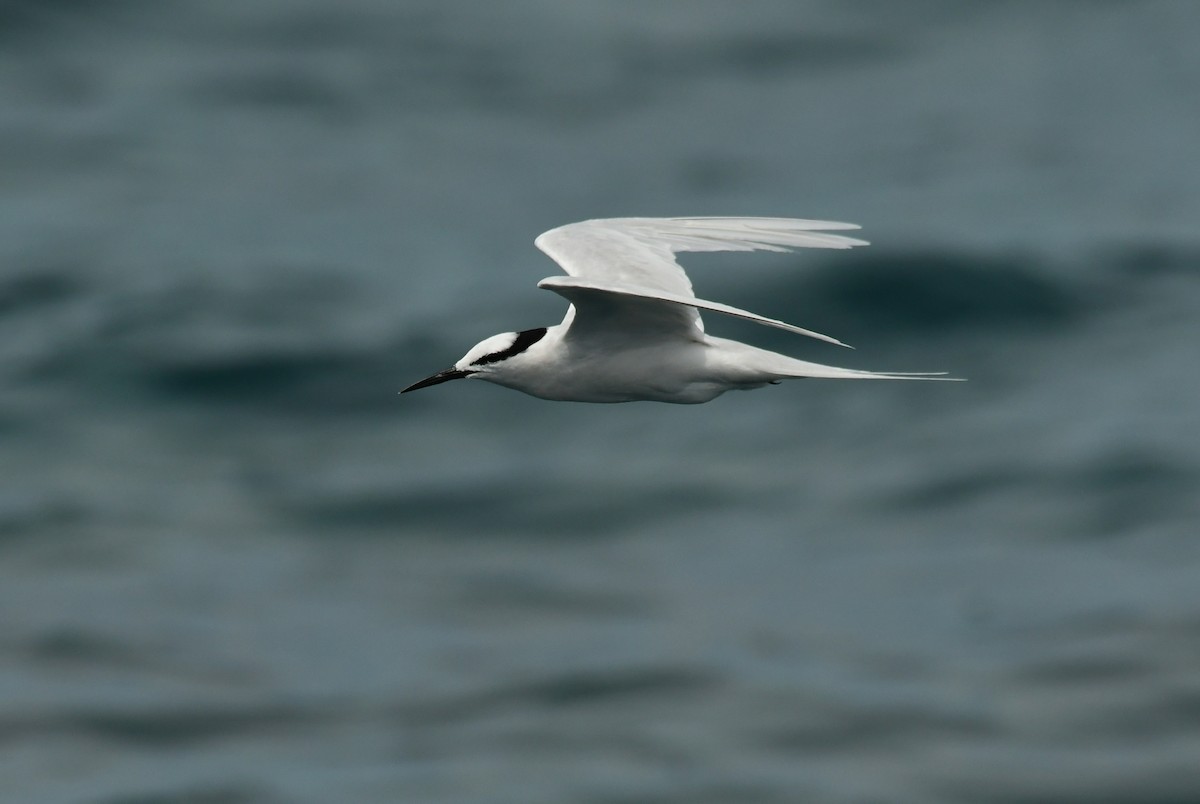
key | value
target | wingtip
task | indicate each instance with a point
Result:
(939, 376)
(817, 335)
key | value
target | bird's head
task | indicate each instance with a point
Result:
(486, 359)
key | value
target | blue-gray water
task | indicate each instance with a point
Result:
(236, 567)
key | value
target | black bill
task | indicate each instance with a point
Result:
(441, 376)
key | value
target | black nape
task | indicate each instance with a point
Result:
(523, 341)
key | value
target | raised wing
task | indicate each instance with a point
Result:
(641, 251)
(625, 267)
(647, 310)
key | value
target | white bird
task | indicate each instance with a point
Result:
(633, 328)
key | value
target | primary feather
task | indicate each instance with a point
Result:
(641, 251)
(635, 257)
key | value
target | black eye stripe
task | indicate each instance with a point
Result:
(522, 342)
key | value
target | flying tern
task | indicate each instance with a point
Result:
(633, 329)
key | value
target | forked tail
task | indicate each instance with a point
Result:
(802, 368)
(783, 367)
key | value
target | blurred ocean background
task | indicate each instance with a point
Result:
(237, 568)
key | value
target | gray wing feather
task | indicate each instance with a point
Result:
(668, 308)
(635, 257)
(641, 251)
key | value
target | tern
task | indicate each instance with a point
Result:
(633, 330)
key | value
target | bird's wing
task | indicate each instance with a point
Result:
(600, 306)
(622, 271)
(641, 251)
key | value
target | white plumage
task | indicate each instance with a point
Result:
(633, 329)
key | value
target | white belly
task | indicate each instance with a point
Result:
(688, 373)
